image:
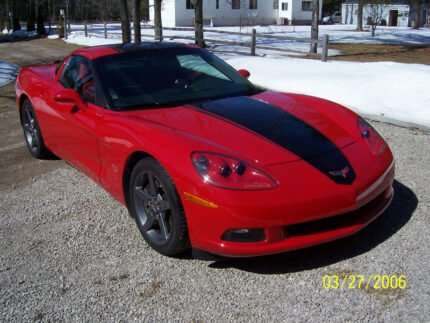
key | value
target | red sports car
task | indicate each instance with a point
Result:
(201, 157)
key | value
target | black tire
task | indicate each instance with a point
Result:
(157, 208)
(32, 133)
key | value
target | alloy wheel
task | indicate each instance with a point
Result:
(152, 207)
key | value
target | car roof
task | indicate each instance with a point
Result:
(106, 50)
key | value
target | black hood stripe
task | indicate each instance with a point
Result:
(287, 131)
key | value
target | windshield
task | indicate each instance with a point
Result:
(168, 77)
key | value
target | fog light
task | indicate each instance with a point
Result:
(244, 235)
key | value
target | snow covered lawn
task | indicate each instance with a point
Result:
(385, 91)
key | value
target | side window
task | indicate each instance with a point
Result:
(77, 75)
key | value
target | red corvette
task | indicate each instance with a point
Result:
(201, 157)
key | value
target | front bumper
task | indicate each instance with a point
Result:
(289, 225)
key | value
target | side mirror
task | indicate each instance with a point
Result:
(244, 73)
(69, 96)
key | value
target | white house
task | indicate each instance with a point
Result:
(237, 12)
(392, 14)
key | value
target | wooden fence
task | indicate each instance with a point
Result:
(251, 43)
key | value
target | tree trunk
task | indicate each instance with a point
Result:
(125, 22)
(346, 11)
(15, 24)
(198, 23)
(158, 25)
(145, 11)
(360, 15)
(417, 22)
(136, 22)
(40, 22)
(30, 17)
(314, 28)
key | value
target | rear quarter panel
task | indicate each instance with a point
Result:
(34, 83)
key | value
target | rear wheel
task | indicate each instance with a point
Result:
(33, 136)
(157, 208)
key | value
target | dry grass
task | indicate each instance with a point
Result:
(37, 51)
(377, 53)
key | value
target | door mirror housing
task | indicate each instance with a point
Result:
(70, 96)
(244, 73)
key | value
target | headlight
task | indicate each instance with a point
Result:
(376, 143)
(230, 173)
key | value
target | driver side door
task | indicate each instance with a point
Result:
(77, 118)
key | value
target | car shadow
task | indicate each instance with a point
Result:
(392, 220)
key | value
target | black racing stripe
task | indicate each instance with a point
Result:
(287, 131)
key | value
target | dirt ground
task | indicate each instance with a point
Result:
(376, 53)
(16, 164)
(37, 51)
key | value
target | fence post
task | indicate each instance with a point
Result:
(253, 42)
(324, 52)
(86, 28)
(105, 27)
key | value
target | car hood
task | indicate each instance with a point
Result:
(268, 128)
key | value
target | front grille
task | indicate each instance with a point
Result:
(359, 216)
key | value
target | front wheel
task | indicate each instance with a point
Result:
(32, 134)
(157, 208)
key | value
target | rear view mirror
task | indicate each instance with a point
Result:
(244, 73)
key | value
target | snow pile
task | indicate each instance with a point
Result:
(386, 91)
(8, 72)
(92, 39)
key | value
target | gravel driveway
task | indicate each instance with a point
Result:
(69, 252)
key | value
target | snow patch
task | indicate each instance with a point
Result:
(385, 91)
(8, 72)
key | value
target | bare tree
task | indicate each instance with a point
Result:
(417, 19)
(136, 22)
(314, 27)
(125, 22)
(360, 15)
(30, 17)
(40, 21)
(145, 10)
(374, 18)
(198, 23)
(158, 24)
(346, 11)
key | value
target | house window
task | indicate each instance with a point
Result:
(217, 4)
(284, 6)
(252, 4)
(307, 6)
(276, 4)
(235, 4)
(189, 4)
